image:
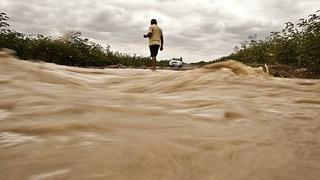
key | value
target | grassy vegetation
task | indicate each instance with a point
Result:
(296, 46)
(70, 49)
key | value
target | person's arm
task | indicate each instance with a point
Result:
(149, 33)
(161, 37)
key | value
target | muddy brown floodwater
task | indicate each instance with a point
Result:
(221, 122)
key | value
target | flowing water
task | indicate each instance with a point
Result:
(222, 122)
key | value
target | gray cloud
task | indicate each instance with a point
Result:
(196, 30)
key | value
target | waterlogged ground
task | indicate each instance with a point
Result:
(222, 122)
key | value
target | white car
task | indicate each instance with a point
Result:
(176, 63)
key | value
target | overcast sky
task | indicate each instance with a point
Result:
(194, 29)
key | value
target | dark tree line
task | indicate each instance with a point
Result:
(70, 49)
(297, 45)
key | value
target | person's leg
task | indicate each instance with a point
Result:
(154, 52)
(152, 56)
(154, 63)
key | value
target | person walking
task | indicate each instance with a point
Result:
(155, 36)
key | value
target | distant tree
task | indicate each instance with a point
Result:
(71, 36)
(3, 20)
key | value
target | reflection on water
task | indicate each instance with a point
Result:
(224, 121)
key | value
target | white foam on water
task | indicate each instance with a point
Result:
(50, 175)
(8, 139)
(3, 114)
